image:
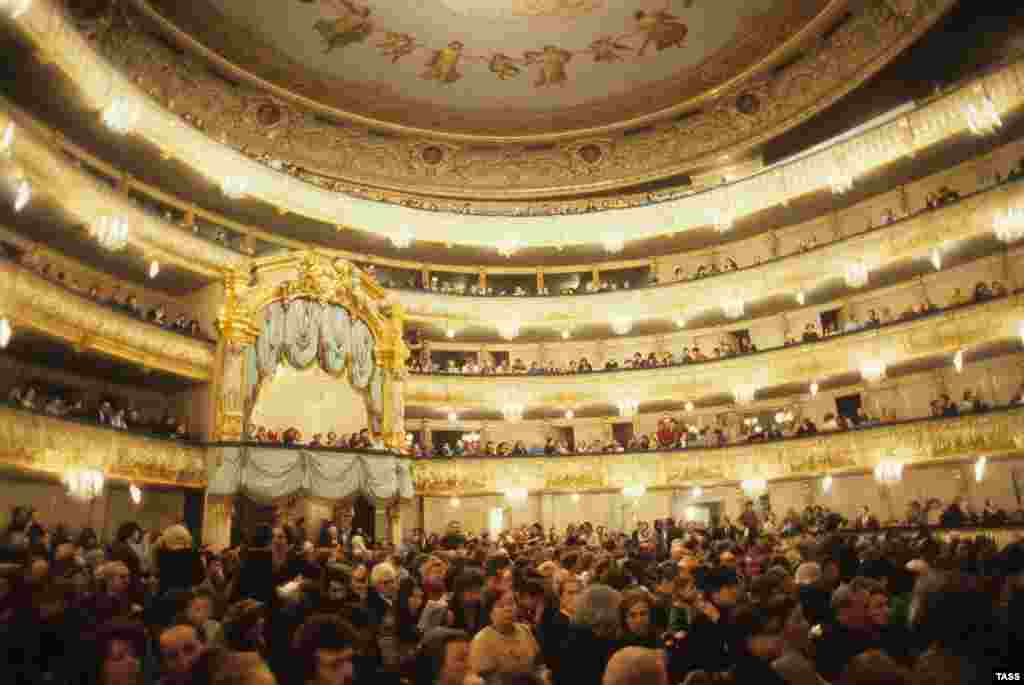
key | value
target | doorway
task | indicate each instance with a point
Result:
(848, 406)
(364, 518)
(565, 435)
(622, 432)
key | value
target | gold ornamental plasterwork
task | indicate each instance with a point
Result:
(911, 238)
(943, 333)
(37, 303)
(353, 159)
(992, 434)
(43, 444)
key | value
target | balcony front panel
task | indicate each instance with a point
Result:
(943, 333)
(37, 303)
(993, 435)
(912, 238)
(83, 197)
(34, 442)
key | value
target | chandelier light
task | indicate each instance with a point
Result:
(873, 371)
(958, 361)
(154, 269)
(570, 414)
(840, 180)
(508, 246)
(857, 274)
(936, 258)
(754, 487)
(622, 325)
(613, 242)
(744, 394)
(22, 195)
(453, 416)
(402, 238)
(801, 298)
(122, 114)
(697, 492)
(733, 309)
(454, 503)
(634, 491)
(6, 332)
(16, 8)
(1009, 226)
(982, 117)
(783, 417)
(680, 323)
(814, 389)
(513, 413)
(826, 484)
(628, 408)
(723, 218)
(688, 406)
(7, 139)
(565, 334)
(575, 497)
(235, 187)
(84, 484)
(517, 495)
(509, 330)
(449, 332)
(979, 469)
(135, 493)
(889, 472)
(111, 232)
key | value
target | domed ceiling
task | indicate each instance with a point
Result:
(498, 68)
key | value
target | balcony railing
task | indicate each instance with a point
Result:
(37, 303)
(993, 434)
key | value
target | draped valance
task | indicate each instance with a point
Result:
(268, 473)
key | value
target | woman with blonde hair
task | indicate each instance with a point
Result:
(178, 564)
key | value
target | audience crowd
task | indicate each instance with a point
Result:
(732, 345)
(363, 440)
(805, 600)
(115, 298)
(676, 434)
(106, 411)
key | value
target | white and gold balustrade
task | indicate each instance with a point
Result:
(943, 333)
(57, 181)
(32, 301)
(47, 445)
(994, 435)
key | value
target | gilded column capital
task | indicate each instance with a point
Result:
(235, 320)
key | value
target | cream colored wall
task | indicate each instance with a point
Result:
(311, 401)
(848, 494)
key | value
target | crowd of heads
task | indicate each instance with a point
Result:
(804, 599)
(293, 437)
(105, 410)
(115, 297)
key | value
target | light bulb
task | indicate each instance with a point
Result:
(22, 195)
(826, 484)
(575, 497)
(936, 258)
(136, 493)
(402, 238)
(154, 269)
(453, 417)
(454, 503)
(565, 334)
(697, 492)
(7, 140)
(814, 389)
(958, 361)
(801, 298)
(689, 406)
(570, 414)
(6, 331)
(449, 333)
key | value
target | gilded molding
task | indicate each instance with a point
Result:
(34, 302)
(992, 434)
(40, 443)
(84, 198)
(972, 217)
(352, 159)
(944, 333)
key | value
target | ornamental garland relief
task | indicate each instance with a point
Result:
(342, 157)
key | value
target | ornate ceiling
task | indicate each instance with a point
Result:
(497, 69)
(457, 100)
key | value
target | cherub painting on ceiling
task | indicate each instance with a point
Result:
(350, 24)
(443, 64)
(347, 22)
